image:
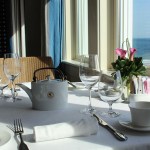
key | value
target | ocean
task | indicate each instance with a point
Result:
(142, 46)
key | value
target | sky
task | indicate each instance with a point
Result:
(141, 18)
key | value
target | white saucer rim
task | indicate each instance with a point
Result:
(128, 124)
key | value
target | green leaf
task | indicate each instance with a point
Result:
(129, 68)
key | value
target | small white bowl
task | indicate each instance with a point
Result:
(140, 113)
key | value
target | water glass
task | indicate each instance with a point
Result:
(12, 68)
(111, 91)
(89, 73)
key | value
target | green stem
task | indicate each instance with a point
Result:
(128, 47)
(128, 88)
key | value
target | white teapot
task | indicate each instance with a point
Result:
(47, 94)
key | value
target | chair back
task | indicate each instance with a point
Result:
(28, 66)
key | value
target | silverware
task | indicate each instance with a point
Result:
(120, 136)
(72, 84)
(18, 129)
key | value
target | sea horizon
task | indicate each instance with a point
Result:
(142, 46)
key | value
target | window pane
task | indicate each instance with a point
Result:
(141, 28)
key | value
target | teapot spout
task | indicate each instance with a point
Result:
(26, 89)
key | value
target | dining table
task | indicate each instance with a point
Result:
(77, 100)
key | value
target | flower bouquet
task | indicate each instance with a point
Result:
(128, 64)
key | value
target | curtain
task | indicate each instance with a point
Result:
(52, 29)
(123, 21)
(82, 26)
(17, 39)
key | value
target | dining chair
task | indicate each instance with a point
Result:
(2, 74)
(29, 65)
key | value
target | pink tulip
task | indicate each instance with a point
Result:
(121, 52)
(132, 52)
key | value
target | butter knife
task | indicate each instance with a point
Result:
(120, 136)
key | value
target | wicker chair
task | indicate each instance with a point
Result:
(29, 65)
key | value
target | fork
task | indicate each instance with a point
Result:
(18, 129)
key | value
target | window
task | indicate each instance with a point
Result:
(103, 26)
(12, 38)
(141, 29)
(134, 24)
(89, 27)
(4, 27)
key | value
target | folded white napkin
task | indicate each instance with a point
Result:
(82, 127)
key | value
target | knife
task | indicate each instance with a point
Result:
(120, 136)
(72, 84)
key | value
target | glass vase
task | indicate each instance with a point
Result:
(126, 90)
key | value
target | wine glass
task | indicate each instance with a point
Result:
(89, 73)
(12, 68)
(3, 84)
(110, 91)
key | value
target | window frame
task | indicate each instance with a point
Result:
(114, 25)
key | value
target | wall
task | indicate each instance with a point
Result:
(92, 23)
(33, 27)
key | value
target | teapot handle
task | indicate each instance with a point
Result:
(61, 75)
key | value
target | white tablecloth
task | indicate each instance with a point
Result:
(77, 100)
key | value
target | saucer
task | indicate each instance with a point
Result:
(4, 136)
(129, 125)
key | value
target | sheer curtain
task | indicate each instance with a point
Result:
(52, 29)
(82, 26)
(18, 27)
(124, 21)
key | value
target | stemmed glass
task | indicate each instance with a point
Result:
(110, 91)
(4, 81)
(89, 73)
(12, 69)
(3, 84)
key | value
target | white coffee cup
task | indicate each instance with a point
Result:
(138, 97)
(140, 113)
